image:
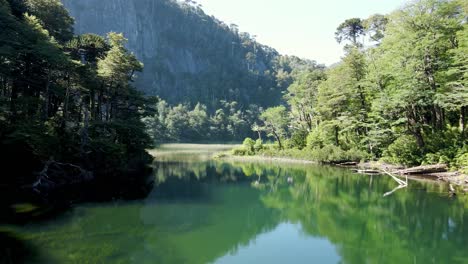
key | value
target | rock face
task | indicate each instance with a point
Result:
(180, 46)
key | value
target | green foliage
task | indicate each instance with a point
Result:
(462, 162)
(334, 154)
(182, 123)
(350, 30)
(436, 158)
(317, 138)
(403, 100)
(404, 150)
(375, 26)
(275, 121)
(258, 145)
(299, 139)
(241, 151)
(53, 17)
(302, 97)
(249, 144)
(329, 153)
(57, 106)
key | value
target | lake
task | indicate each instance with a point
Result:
(219, 211)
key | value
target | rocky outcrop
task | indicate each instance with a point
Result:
(188, 56)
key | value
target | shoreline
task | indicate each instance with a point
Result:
(455, 178)
(261, 158)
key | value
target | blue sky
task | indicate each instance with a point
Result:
(304, 28)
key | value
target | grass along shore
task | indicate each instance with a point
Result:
(352, 160)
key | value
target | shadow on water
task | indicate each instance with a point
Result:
(16, 250)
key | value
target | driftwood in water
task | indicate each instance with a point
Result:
(401, 184)
(424, 169)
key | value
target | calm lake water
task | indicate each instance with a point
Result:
(207, 211)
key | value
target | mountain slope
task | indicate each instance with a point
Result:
(188, 55)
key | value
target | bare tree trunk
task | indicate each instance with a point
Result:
(463, 121)
(278, 139)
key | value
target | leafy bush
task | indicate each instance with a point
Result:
(287, 143)
(444, 142)
(316, 139)
(240, 151)
(249, 144)
(299, 139)
(462, 162)
(329, 153)
(355, 154)
(404, 150)
(258, 145)
(436, 158)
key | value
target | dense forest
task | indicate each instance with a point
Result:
(69, 112)
(192, 58)
(399, 94)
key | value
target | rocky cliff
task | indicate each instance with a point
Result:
(188, 55)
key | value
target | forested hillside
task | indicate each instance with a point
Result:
(189, 57)
(399, 94)
(193, 61)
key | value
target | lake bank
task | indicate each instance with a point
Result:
(455, 178)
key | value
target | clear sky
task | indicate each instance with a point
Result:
(304, 28)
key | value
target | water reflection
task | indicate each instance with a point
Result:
(207, 211)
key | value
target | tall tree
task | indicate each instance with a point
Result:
(302, 97)
(53, 17)
(351, 29)
(375, 27)
(275, 122)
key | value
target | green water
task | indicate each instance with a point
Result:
(205, 211)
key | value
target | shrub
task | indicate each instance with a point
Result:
(287, 143)
(436, 158)
(316, 139)
(249, 144)
(462, 162)
(299, 139)
(240, 151)
(404, 150)
(355, 154)
(443, 142)
(258, 145)
(329, 153)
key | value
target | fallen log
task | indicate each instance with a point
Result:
(349, 163)
(369, 171)
(428, 169)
